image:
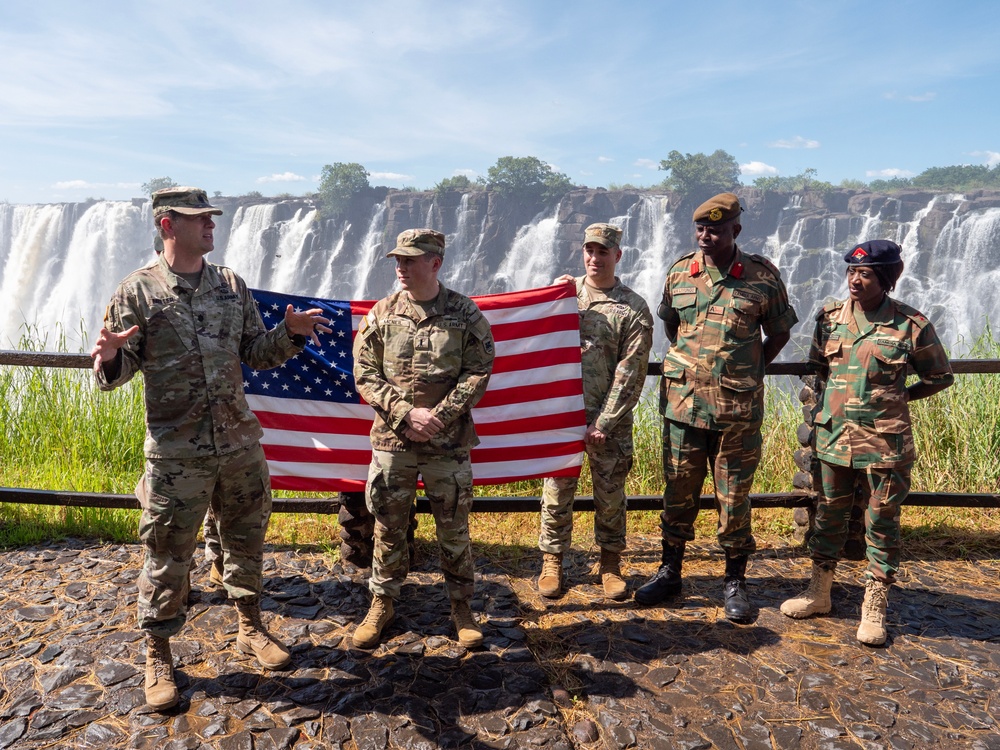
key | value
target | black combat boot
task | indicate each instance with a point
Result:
(738, 607)
(666, 582)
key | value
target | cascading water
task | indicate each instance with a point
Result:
(59, 264)
(531, 259)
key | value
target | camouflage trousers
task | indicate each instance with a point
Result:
(609, 465)
(688, 453)
(889, 488)
(389, 493)
(175, 495)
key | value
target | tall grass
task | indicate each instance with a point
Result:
(60, 432)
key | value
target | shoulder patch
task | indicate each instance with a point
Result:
(828, 308)
(912, 313)
(766, 263)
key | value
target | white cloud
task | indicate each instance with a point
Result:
(757, 168)
(604, 159)
(888, 173)
(925, 97)
(84, 185)
(470, 173)
(284, 177)
(392, 176)
(647, 163)
(992, 157)
(796, 142)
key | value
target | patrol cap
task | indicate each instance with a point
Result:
(718, 210)
(191, 201)
(874, 253)
(415, 242)
(607, 235)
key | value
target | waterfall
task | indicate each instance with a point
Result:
(59, 264)
(532, 256)
(370, 247)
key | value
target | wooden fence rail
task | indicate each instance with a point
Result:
(330, 505)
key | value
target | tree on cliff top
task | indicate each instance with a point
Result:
(157, 183)
(527, 179)
(700, 176)
(339, 184)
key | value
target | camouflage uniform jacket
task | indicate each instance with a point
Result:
(863, 419)
(189, 347)
(440, 360)
(713, 374)
(616, 334)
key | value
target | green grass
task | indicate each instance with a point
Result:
(61, 433)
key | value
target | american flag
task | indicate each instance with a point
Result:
(531, 420)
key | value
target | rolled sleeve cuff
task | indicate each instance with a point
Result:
(782, 324)
(398, 414)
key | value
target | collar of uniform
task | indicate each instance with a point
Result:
(582, 287)
(881, 316)
(412, 309)
(210, 278)
(735, 269)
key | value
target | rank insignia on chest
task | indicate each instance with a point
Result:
(716, 310)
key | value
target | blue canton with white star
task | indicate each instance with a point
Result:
(317, 373)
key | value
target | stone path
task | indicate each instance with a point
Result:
(573, 673)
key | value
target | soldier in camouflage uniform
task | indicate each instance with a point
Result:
(187, 324)
(422, 359)
(716, 302)
(861, 348)
(616, 334)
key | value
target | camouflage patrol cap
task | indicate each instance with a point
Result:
(607, 235)
(191, 201)
(874, 253)
(415, 242)
(718, 210)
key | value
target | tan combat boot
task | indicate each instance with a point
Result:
(254, 639)
(369, 632)
(469, 633)
(815, 600)
(615, 587)
(215, 573)
(161, 689)
(871, 631)
(550, 580)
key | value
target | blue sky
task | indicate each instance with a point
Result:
(98, 97)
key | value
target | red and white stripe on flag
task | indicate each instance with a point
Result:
(531, 420)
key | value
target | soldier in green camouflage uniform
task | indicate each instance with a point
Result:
(422, 359)
(861, 349)
(715, 304)
(616, 334)
(187, 325)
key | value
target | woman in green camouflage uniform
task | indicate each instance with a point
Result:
(861, 350)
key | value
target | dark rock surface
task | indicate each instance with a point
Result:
(576, 672)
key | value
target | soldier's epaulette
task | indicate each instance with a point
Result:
(829, 307)
(683, 258)
(911, 312)
(766, 263)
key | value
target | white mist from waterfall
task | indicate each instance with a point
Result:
(245, 253)
(59, 264)
(58, 286)
(531, 258)
(463, 248)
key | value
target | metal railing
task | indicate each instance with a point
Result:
(331, 504)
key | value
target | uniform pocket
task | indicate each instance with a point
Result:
(886, 365)
(744, 318)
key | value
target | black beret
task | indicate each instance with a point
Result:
(874, 253)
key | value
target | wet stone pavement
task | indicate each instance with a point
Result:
(576, 672)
